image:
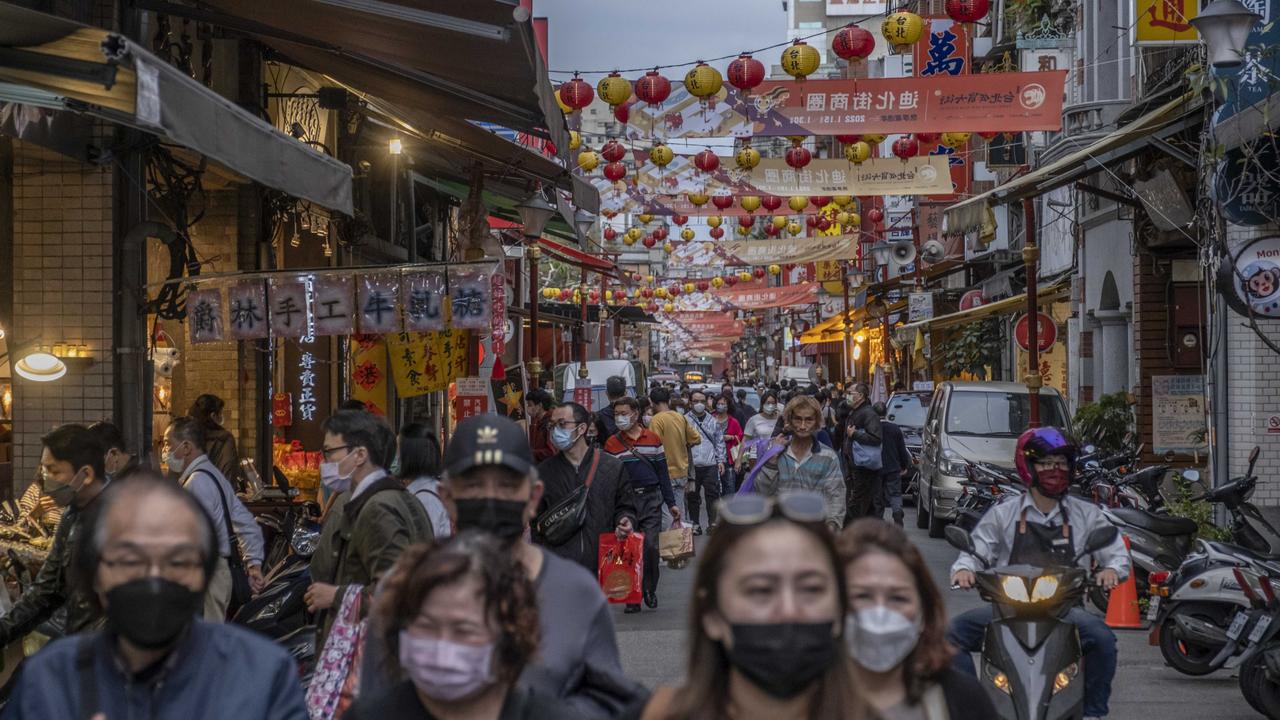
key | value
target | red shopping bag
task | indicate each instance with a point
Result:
(621, 567)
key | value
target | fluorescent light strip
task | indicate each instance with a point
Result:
(423, 17)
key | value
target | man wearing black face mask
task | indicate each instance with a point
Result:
(150, 553)
(72, 475)
(491, 484)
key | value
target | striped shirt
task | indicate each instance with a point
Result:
(819, 472)
(643, 459)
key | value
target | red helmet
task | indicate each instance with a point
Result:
(1039, 443)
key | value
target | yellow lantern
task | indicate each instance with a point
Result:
(744, 276)
(902, 30)
(633, 234)
(743, 231)
(588, 160)
(614, 89)
(716, 282)
(750, 203)
(857, 153)
(954, 139)
(648, 279)
(661, 155)
(686, 234)
(873, 139)
(842, 200)
(794, 228)
(563, 108)
(842, 218)
(747, 158)
(548, 292)
(703, 81)
(668, 247)
(698, 198)
(608, 296)
(575, 139)
(798, 203)
(779, 221)
(628, 239)
(661, 292)
(645, 218)
(775, 269)
(854, 220)
(688, 287)
(800, 60)
(668, 307)
(714, 221)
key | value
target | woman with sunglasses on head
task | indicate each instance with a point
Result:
(896, 630)
(768, 620)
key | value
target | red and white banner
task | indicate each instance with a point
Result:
(749, 296)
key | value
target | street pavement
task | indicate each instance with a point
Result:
(654, 653)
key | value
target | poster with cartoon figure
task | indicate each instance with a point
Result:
(1251, 282)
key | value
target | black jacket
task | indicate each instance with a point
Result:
(57, 584)
(605, 427)
(894, 455)
(608, 501)
(868, 431)
(401, 702)
(966, 700)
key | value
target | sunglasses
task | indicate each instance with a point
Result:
(752, 509)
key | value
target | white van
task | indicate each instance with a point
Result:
(794, 372)
(598, 371)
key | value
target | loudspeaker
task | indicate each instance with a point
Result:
(904, 251)
(933, 251)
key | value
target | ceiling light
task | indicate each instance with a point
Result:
(396, 146)
(40, 366)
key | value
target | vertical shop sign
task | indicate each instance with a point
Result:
(943, 50)
(247, 310)
(204, 311)
(408, 353)
(498, 321)
(307, 401)
(472, 398)
(333, 305)
(369, 372)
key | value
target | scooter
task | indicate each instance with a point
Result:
(1257, 641)
(1032, 662)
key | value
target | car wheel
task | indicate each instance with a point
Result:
(922, 513)
(936, 524)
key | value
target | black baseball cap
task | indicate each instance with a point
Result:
(488, 439)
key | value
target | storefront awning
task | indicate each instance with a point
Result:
(832, 329)
(102, 73)
(1018, 303)
(577, 258)
(1119, 145)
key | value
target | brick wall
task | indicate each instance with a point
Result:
(62, 291)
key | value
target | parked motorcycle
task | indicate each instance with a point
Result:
(1032, 662)
(1260, 669)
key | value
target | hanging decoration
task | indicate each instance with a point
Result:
(707, 161)
(622, 113)
(857, 152)
(873, 138)
(747, 158)
(661, 155)
(775, 269)
(575, 139)
(714, 221)
(614, 89)
(613, 151)
(687, 234)
(746, 221)
(794, 228)
(779, 221)
(906, 147)
(798, 203)
(588, 160)
(875, 215)
(679, 219)
(615, 171)
(334, 305)
(633, 235)
(722, 202)
(798, 156)
(771, 202)
(247, 310)
(378, 296)
(717, 232)
(288, 301)
(967, 10)
(820, 201)
(842, 200)
(902, 30)
(955, 139)
(649, 241)
(653, 88)
(576, 93)
(610, 234)
(703, 81)
(645, 218)
(698, 199)
(853, 43)
(800, 59)
(750, 203)
(205, 310)
(746, 72)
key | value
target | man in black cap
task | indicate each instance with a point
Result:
(491, 484)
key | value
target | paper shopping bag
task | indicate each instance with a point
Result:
(621, 567)
(676, 544)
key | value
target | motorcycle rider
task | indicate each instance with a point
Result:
(1044, 527)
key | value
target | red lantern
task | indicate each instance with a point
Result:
(811, 221)
(848, 139)
(674, 291)
(613, 151)
(660, 233)
(854, 43)
(798, 157)
(724, 202)
(759, 273)
(820, 201)
(703, 286)
(928, 139)
(875, 215)
(746, 72)
(967, 10)
(680, 219)
(615, 171)
(653, 88)
(649, 242)
(651, 307)
(906, 147)
(610, 234)
(566, 294)
(717, 232)
(989, 135)
(594, 296)
(824, 224)
(771, 230)
(622, 113)
(707, 161)
(576, 93)
(771, 202)
(646, 292)
(747, 221)
(731, 280)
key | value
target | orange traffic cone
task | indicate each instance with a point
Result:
(1122, 607)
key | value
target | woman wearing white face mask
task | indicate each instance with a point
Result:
(460, 622)
(896, 630)
(760, 426)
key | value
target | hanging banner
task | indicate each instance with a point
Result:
(498, 317)
(423, 298)
(508, 395)
(247, 310)
(369, 372)
(408, 352)
(288, 308)
(470, 397)
(204, 313)
(470, 296)
(1166, 22)
(379, 298)
(965, 103)
(791, 250)
(942, 50)
(760, 298)
(333, 305)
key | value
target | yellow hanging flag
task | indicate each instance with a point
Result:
(917, 351)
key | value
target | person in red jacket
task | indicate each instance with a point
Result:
(537, 405)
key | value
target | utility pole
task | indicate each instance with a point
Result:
(1030, 255)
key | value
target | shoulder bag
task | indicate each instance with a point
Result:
(559, 524)
(241, 592)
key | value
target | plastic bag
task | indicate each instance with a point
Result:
(621, 567)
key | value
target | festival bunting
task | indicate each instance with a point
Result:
(369, 372)
(427, 362)
(288, 298)
(247, 310)
(749, 296)
(778, 251)
(333, 305)
(1003, 102)
(379, 298)
(423, 296)
(204, 310)
(471, 297)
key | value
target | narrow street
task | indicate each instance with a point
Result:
(653, 651)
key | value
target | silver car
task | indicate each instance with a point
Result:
(973, 422)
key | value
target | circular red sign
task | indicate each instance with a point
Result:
(1046, 332)
(972, 299)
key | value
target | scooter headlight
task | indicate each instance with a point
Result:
(1064, 678)
(1014, 588)
(999, 679)
(1046, 587)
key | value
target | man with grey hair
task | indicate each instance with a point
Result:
(150, 553)
(184, 453)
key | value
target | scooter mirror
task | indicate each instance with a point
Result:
(959, 539)
(1191, 475)
(1099, 539)
(1253, 454)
